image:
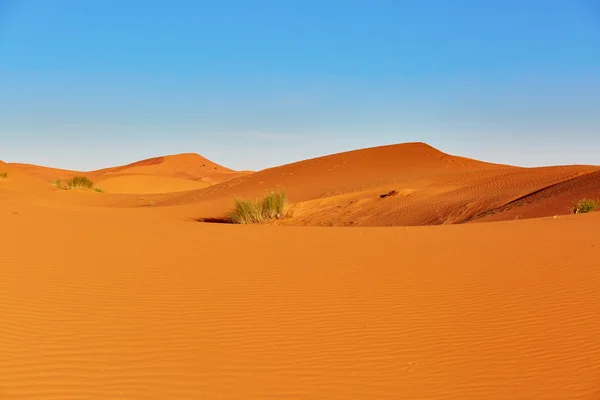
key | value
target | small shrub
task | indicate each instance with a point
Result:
(80, 182)
(3, 175)
(246, 212)
(252, 212)
(585, 206)
(273, 205)
(97, 189)
(56, 183)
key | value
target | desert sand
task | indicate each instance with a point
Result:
(471, 281)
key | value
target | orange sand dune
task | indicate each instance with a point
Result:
(101, 303)
(344, 173)
(352, 171)
(555, 199)
(186, 172)
(430, 188)
(40, 173)
(123, 295)
(144, 184)
(185, 166)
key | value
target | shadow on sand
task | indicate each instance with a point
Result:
(213, 220)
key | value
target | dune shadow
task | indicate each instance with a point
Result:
(214, 220)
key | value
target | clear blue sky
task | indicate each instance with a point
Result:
(252, 84)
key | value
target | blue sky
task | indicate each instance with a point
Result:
(253, 84)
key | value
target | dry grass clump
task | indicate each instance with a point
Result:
(270, 207)
(80, 182)
(246, 212)
(273, 205)
(585, 206)
(3, 175)
(77, 182)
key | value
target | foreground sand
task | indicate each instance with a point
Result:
(123, 295)
(103, 303)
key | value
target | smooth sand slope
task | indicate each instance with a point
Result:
(189, 166)
(167, 174)
(124, 295)
(551, 200)
(98, 303)
(145, 184)
(430, 187)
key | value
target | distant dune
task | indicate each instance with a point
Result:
(428, 187)
(184, 166)
(145, 184)
(174, 173)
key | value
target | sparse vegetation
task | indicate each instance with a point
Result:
(77, 182)
(270, 207)
(80, 182)
(585, 206)
(3, 175)
(273, 205)
(246, 212)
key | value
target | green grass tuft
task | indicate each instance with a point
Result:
(246, 212)
(585, 206)
(77, 182)
(273, 205)
(80, 182)
(252, 212)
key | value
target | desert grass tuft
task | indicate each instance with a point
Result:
(3, 175)
(246, 212)
(585, 206)
(252, 212)
(97, 189)
(273, 205)
(80, 182)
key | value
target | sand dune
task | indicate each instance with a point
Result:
(140, 307)
(144, 184)
(184, 166)
(122, 295)
(552, 200)
(143, 176)
(430, 188)
(41, 173)
(353, 171)
(168, 174)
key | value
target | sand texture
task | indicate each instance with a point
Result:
(124, 295)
